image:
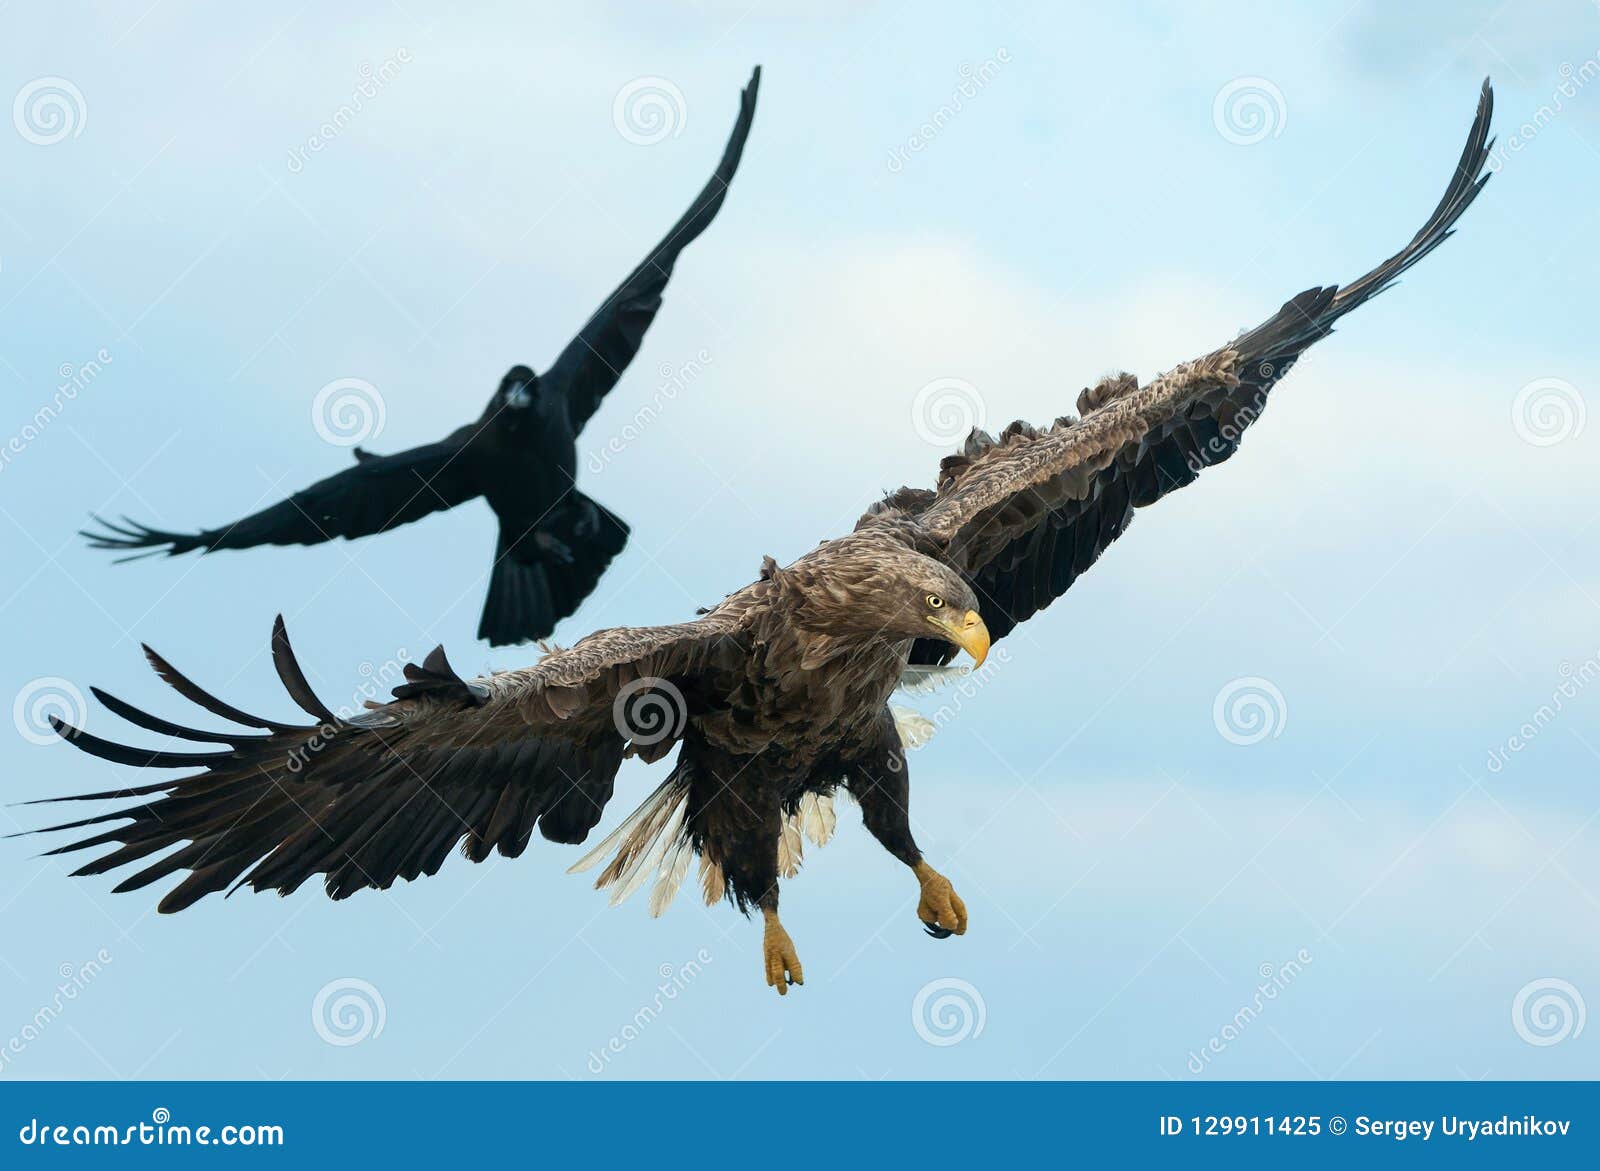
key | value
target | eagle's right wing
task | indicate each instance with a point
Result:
(1025, 514)
(365, 798)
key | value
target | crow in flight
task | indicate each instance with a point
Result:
(520, 455)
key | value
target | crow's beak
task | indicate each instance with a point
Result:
(968, 632)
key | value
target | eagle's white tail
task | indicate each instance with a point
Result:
(653, 841)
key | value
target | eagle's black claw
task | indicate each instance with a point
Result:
(936, 931)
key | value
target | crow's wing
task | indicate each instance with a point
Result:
(379, 493)
(593, 361)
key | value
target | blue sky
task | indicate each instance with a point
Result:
(1404, 551)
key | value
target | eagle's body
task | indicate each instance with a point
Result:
(520, 456)
(769, 730)
(774, 698)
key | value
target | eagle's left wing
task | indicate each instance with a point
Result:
(363, 798)
(1023, 515)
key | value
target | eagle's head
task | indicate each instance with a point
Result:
(869, 590)
(517, 389)
(930, 598)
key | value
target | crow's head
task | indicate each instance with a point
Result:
(518, 389)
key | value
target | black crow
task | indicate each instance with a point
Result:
(520, 455)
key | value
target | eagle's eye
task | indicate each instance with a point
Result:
(935, 602)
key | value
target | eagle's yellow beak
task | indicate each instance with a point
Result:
(968, 632)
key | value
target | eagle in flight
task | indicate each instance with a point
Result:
(520, 455)
(776, 699)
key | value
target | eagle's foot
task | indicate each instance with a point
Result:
(941, 910)
(782, 964)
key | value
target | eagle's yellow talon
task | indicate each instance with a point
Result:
(782, 964)
(939, 905)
